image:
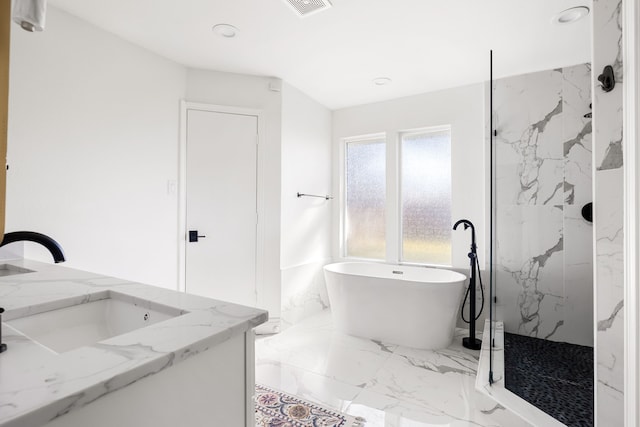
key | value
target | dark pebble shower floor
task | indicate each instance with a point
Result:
(555, 377)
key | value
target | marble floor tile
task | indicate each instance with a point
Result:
(325, 352)
(388, 385)
(385, 411)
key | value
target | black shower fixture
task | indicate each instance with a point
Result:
(587, 212)
(607, 79)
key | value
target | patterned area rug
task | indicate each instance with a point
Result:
(278, 409)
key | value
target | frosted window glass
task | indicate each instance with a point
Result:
(426, 197)
(365, 199)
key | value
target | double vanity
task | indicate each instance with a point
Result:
(85, 349)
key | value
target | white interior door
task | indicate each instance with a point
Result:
(221, 189)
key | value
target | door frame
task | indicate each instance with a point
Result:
(185, 106)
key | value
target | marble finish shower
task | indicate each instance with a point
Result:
(543, 258)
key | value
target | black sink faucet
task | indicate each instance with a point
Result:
(32, 236)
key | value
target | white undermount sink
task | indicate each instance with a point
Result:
(10, 270)
(75, 326)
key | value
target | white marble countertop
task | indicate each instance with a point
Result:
(37, 385)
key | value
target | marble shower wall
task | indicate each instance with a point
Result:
(544, 269)
(609, 215)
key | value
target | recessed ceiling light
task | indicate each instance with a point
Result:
(225, 30)
(571, 15)
(381, 81)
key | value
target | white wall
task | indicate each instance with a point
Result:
(254, 92)
(306, 222)
(93, 147)
(462, 108)
(93, 130)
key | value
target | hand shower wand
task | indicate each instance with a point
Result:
(471, 341)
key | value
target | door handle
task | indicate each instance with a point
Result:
(193, 236)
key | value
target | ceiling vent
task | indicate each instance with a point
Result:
(308, 7)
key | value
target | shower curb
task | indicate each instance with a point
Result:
(497, 391)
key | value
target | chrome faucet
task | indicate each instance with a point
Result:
(32, 236)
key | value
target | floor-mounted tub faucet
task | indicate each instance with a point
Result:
(471, 341)
(32, 236)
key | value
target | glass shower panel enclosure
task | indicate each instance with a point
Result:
(542, 246)
(542, 181)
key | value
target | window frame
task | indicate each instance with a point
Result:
(393, 188)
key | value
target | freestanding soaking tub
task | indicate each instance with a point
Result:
(406, 305)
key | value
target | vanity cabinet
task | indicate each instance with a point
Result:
(212, 388)
(195, 367)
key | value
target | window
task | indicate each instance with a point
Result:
(365, 198)
(419, 199)
(425, 196)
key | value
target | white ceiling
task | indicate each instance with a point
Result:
(333, 56)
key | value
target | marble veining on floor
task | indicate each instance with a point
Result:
(388, 385)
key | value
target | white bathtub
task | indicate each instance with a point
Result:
(410, 306)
